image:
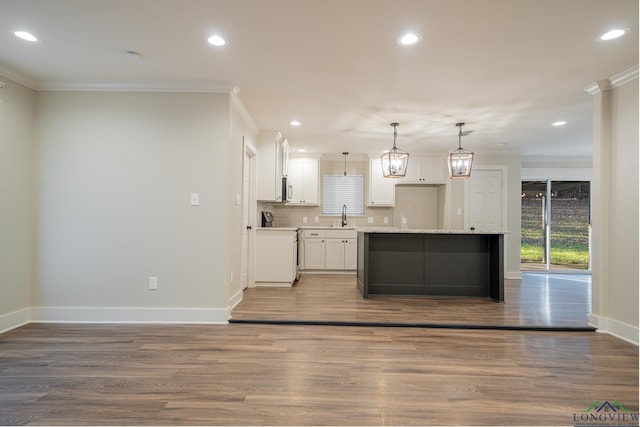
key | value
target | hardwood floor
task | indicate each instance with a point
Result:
(538, 300)
(241, 374)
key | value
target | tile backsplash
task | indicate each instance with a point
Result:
(294, 216)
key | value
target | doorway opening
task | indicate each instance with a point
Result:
(556, 226)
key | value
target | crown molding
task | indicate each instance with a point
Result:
(189, 87)
(18, 77)
(624, 77)
(597, 87)
(613, 81)
(242, 110)
(556, 159)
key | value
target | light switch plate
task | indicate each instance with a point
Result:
(459, 211)
(304, 219)
(153, 283)
(195, 199)
(317, 219)
(370, 219)
(386, 220)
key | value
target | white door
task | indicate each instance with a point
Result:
(486, 196)
(248, 171)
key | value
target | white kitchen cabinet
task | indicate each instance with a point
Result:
(276, 252)
(334, 254)
(424, 170)
(302, 181)
(272, 150)
(340, 254)
(331, 249)
(382, 191)
(351, 254)
(314, 253)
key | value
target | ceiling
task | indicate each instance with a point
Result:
(508, 68)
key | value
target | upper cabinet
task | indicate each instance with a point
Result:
(273, 151)
(425, 170)
(382, 191)
(302, 181)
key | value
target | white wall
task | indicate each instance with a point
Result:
(115, 175)
(615, 206)
(17, 105)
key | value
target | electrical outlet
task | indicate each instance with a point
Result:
(304, 219)
(370, 220)
(317, 219)
(153, 283)
(386, 220)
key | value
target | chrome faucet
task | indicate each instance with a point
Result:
(344, 215)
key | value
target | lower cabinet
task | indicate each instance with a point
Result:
(330, 249)
(314, 250)
(340, 254)
(275, 257)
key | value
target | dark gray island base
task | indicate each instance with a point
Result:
(452, 264)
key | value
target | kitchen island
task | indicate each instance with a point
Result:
(443, 263)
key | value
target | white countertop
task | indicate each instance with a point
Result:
(421, 231)
(277, 229)
(326, 227)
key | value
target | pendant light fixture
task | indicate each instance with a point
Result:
(460, 160)
(345, 154)
(394, 161)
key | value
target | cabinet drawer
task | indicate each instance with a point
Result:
(341, 234)
(313, 233)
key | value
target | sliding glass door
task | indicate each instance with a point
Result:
(556, 218)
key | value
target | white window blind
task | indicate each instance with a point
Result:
(339, 190)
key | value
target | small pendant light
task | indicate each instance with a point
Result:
(394, 162)
(460, 160)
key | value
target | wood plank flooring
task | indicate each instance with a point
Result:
(241, 374)
(538, 300)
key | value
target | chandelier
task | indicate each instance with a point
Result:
(460, 160)
(394, 161)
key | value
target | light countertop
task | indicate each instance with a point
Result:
(277, 229)
(421, 231)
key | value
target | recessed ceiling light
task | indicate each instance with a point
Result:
(559, 123)
(132, 54)
(613, 34)
(216, 40)
(409, 39)
(295, 123)
(302, 150)
(25, 35)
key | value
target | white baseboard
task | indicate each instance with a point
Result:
(618, 329)
(14, 320)
(213, 316)
(235, 300)
(274, 284)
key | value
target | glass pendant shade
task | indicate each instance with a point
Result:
(394, 162)
(460, 160)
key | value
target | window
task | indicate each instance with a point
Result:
(339, 190)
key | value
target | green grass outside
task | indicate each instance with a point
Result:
(569, 233)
